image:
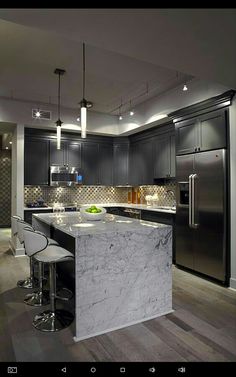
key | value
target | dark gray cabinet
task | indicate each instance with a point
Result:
(69, 154)
(74, 154)
(141, 162)
(105, 164)
(36, 162)
(90, 163)
(121, 165)
(205, 132)
(212, 130)
(97, 163)
(164, 156)
(186, 136)
(57, 156)
(29, 213)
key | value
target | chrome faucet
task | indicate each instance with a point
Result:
(173, 195)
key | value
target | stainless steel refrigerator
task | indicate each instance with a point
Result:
(201, 213)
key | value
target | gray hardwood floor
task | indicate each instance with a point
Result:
(201, 328)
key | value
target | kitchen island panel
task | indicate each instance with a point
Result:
(122, 279)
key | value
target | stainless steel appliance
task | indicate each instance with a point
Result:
(65, 175)
(201, 213)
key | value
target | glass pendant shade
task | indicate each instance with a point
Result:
(83, 121)
(58, 123)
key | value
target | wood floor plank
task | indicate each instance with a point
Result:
(202, 327)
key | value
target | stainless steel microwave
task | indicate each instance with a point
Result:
(65, 175)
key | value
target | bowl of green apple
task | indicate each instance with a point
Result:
(92, 212)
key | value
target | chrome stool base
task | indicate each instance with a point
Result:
(28, 283)
(53, 321)
(37, 298)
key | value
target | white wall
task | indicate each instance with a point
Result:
(17, 182)
(232, 121)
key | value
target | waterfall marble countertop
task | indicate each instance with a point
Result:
(72, 224)
(122, 270)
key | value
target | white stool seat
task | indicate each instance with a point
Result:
(52, 242)
(53, 254)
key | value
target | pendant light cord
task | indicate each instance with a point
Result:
(59, 95)
(83, 70)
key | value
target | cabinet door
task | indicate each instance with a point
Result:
(90, 163)
(121, 164)
(145, 162)
(162, 157)
(105, 164)
(212, 130)
(36, 162)
(57, 156)
(74, 154)
(187, 136)
(172, 156)
(134, 168)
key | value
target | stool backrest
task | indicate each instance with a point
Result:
(14, 220)
(34, 241)
(21, 224)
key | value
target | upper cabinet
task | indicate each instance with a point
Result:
(121, 164)
(186, 136)
(141, 162)
(57, 156)
(212, 130)
(202, 133)
(69, 154)
(36, 162)
(97, 163)
(164, 156)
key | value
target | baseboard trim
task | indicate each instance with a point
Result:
(232, 283)
(19, 252)
(77, 339)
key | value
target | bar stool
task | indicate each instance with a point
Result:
(53, 319)
(31, 281)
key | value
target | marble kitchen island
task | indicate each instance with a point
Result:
(122, 269)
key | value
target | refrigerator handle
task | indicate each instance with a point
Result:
(190, 201)
(193, 225)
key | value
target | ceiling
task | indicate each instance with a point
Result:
(131, 54)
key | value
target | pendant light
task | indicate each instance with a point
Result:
(59, 72)
(84, 104)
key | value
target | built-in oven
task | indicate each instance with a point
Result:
(65, 175)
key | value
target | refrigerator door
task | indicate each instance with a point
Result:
(209, 213)
(184, 233)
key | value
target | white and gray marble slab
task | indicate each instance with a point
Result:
(123, 270)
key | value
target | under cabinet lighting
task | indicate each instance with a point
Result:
(131, 113)
(185, 88)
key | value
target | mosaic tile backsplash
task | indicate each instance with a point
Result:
(5, 188)
(96, 194)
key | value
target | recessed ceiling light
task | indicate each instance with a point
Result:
(6, 147)
(185, 87)
(10, 142)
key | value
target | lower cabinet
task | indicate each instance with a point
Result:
(163, 218)
(28, 214)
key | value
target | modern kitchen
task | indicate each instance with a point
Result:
(117, 187)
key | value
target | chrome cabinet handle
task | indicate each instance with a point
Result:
(190, 201)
